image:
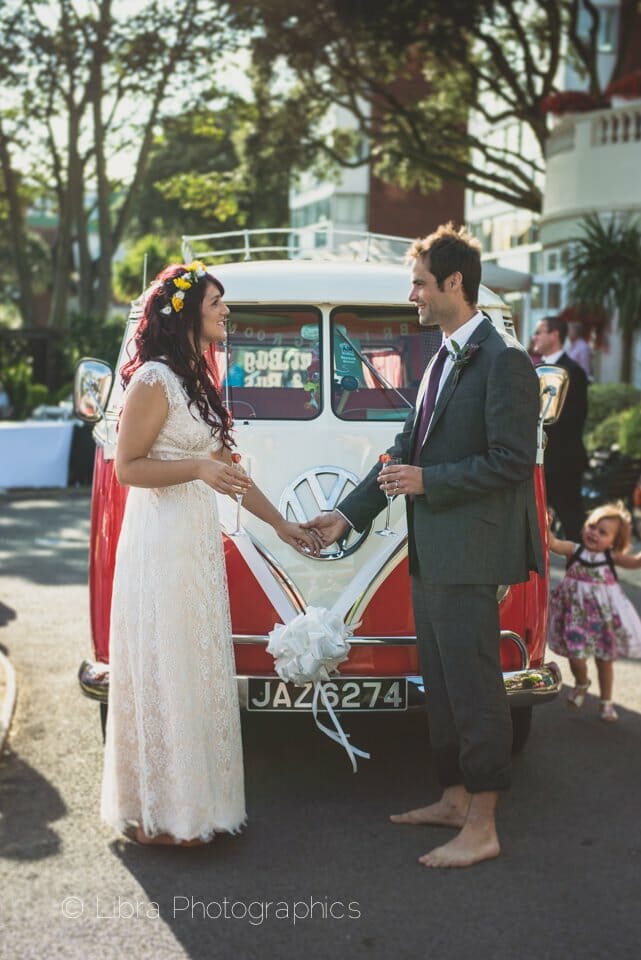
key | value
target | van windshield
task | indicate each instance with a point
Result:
(378, 358)
(273, 363)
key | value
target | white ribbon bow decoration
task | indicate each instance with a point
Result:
(307, 650)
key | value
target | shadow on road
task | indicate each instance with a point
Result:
(296, 873)
(45, 539)
(28, 807)
(7, 614)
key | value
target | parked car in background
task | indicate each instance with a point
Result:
(323, 364)
(59, 411)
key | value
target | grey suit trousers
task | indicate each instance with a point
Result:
(458, 638)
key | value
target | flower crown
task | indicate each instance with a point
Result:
(194, 272)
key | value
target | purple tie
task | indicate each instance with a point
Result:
(429, 402)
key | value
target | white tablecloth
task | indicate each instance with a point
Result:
(35, 453)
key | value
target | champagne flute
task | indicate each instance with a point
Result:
(387, 461)
(235, 459)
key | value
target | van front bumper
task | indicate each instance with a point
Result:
(524, 688)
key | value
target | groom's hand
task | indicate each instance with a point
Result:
(329, 526)
(402, 479)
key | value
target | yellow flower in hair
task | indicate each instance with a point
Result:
(197, 267)
(177, 303)
(182, 284)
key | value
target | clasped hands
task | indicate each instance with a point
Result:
(395, 480)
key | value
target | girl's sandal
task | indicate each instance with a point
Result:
(607, 713)
(576, 696)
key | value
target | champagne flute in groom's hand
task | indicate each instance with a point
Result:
(387, 460)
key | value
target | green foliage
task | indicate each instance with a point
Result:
(128, 272)
(82, 83)
(630, 432)
(605, 399)
(411, 71)
(605, 433)
(62, 393)
(38, 253)
(604, 263)
(88, 338)
(221, 171)
(23, 392)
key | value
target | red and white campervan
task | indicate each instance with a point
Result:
(323, 363)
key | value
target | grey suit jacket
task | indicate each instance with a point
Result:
(477, 521)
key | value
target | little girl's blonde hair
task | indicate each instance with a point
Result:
(615, 511)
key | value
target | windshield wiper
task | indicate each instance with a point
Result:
(372, 369)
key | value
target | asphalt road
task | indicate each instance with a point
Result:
(340, 879)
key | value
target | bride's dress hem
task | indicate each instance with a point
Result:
(206, 836)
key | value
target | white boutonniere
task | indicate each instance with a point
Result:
(461, 356)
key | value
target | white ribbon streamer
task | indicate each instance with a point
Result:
(304, 649)
(339, 736)
(307, 650)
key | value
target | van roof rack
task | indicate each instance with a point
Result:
(319, 241)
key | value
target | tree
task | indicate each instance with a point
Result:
(412, 72)
(219, 168)
(604, 264)
(80, 83)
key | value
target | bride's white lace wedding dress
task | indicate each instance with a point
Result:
(173, 756)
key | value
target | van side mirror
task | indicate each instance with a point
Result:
(553, 388)
(91, 386)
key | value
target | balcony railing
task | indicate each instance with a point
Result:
(593, 164)
(607, 127)
(621, 125)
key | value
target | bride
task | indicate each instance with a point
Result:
(173, 771)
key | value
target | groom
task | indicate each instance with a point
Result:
(468, 454)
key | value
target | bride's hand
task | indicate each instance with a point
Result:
(304, 541)
(222, 477)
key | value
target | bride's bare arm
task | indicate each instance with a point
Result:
(254, 500)
(143, 415)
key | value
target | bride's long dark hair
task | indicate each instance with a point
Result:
(172, 337)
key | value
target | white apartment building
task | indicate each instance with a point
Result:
(593, 162)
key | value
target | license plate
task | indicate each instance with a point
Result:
(343, 694)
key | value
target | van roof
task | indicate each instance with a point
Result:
(321, 282)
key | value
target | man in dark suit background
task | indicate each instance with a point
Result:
(565, 456)
(468, 453)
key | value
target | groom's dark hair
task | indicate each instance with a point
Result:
(450, 250)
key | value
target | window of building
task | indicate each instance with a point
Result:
(311, 213)
(608, 29)
(350, 208)
(554, 296)
(552, 261)
(536, 301)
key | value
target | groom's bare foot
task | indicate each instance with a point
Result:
(462, 851)
(450, 811)
(438, 814)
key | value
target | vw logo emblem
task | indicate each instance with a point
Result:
(317, 491)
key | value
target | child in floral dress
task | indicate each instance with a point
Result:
(589, 613)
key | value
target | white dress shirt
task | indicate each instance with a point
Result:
(552, 357)
(461, 335)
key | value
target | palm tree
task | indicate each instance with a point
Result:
(604, 264)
